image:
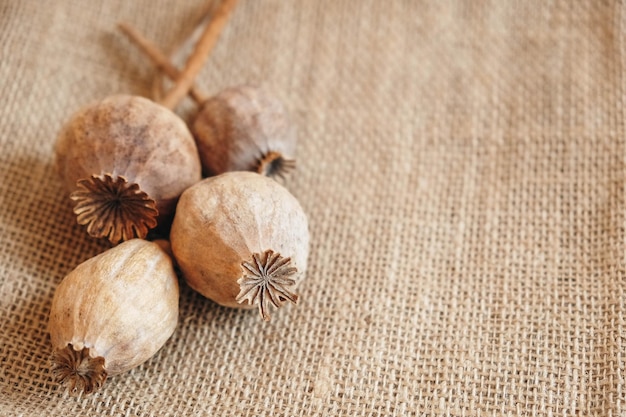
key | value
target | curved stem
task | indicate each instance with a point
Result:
(200, 54)
(160, 61)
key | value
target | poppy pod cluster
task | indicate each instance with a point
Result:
(134, 169)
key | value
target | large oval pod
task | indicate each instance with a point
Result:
(239, 237)
(125, 160)
(112, 313)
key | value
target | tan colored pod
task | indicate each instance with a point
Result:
(112, 313)
(239, 237)
(125, 160)
(244, 128)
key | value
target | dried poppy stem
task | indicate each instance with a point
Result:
(195, 62)
(179, 54)
(157, 57)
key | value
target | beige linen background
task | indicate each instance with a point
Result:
(462, 164)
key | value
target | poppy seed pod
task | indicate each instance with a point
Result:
(112, 313)
(244, 128)
(125, 160)
(241, 237)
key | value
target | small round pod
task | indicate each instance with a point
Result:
(125, 160)
(244, 128)
(241, 236)
(112, 313)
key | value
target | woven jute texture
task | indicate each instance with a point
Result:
(462, 165)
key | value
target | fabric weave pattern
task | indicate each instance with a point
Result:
(462, 165)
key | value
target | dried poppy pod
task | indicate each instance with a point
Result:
(244, 128)
(125, 160)
(239, 237)
(112, 313)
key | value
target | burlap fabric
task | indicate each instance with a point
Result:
(462, 165)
